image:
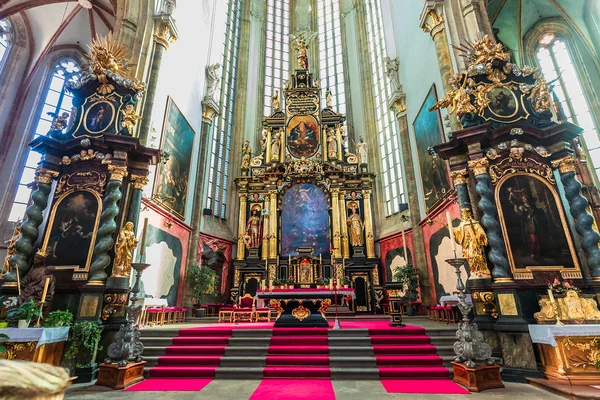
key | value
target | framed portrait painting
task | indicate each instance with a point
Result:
(172, 175)
(428, 132)
(303, 136)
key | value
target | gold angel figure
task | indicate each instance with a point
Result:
(472, 238)
(126, 242)
(130, 118)
(275, 102)
(300, 45)
(246, 155)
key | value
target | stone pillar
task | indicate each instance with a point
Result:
(489, 220)
(104, 240)
(432, 22)
(165, 32)
(133, 215)
(30, 228)
(461, 185)
(578, 208)
(335, 221)
(273, 224)
(369, 238)
(242, 227)
(344, 226)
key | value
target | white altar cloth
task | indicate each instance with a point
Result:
(41, 335)
(453, 297)
(545, 333)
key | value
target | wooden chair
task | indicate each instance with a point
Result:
(226, 314)
(246, 310)
(155, 316)
(262, 314)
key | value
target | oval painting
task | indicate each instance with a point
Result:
(99, 117)
(503, 102)
(302, 136)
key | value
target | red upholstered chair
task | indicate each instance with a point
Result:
(440, 312)
(226, 314)
(170, 315)
(246, 309)
(262, 314)
(155, 315)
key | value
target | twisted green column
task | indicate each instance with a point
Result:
(104, 240)
(30, 228)
(133, 215)
(583, 220)
(460, 179)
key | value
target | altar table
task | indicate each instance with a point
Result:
(569, 353)
(302, 307)
(43, 345)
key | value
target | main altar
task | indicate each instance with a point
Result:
(305, 213)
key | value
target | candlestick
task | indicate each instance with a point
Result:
(143, 244)
(551, 295)
(45, 289)
(451, 232)
(404, 246)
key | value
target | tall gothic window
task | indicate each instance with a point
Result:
(387, 131)
(5, 40)
(330, 52)
(56, 100)
(278, 49)
(221, 138)
(556, 63)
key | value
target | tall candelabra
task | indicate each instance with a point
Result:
(470, 345)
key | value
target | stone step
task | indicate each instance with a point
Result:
(349, 351)
(350, 332)
(349, 341)
(242, 332)
(362, 374)
(157, 341)
(253, 341)
(239, 373)
(365, 362)
(246, 351)
(153, 351)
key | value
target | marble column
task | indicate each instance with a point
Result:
(30, 228)
(369, 238)
(432, 22)
(133, 215)
(104, 241)
(165, 33)
(461, 185)
(578, 208)
(242, 227)
(273, 224)
(335, 221)
(489, 220)
(344, 226)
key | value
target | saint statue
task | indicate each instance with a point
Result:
(253, 229)
(34, 282)
(212, 80)
(300, 45)
(275, 103)
(331, 144)
(391, 70)
(263, 140)
(246, 154)
(363, 150)
(126, 242)
(328, 98)
(276, 146)
(11, 248)
(356, 226)
(472, 238)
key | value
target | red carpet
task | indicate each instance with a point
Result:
(286, 389)
(427, 386)
(298, 353)
(167, 385)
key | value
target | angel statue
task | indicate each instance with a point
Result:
(472, 238)
(246, 154)
(275, 103)
(362, 150)
(130, 118)
(126, 243)
(300, 44)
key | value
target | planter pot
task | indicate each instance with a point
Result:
(3, 324)
(410, 311)
(321, 286)
(199, 312)
(23, 323)
(89, 372)
(345, 286)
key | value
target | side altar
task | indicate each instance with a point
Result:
(305, 198)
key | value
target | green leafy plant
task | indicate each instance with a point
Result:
(202, 280)
(3, 337)
(289, 281)
(323, 281)
(59, 318)
(26, 311)
(409, 277)
(277, 282)
(346, 280)
(85, 336)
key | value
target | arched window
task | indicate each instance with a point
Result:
(5, 40)
(277, 49)
(557, 65)
(387, 130)
(57, 99)
(330, 52)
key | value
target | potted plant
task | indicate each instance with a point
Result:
(83, 347)
(290, 283)
(346, 281)
(24, 314)
(409, 278)
(57, 319)
(277, 283)
(322, 282)
(202, 281)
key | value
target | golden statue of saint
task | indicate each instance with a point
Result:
(300, 44)
(11, 250)
(356, 226)
(126, 242)
(254, 229)
(246, 155)
(472, 238)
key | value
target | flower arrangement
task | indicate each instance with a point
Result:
(278, 282)
(560, 286)
(345, 280)
(323, 281)
(289, 281)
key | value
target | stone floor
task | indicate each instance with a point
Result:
(344, 390)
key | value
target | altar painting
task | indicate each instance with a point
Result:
(304, 220)
(69, 239)
(533, 224)
(302, 136)
(172, 176)
(428, 133)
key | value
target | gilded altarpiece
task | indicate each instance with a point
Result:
(305, 201)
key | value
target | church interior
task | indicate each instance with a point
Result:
(293, 199)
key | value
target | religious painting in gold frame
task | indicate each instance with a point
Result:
(72, 228)
(505, 103)
(303, 135)
(98, 115)
(534, 226)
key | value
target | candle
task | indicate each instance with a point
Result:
(330, 284)
(551, 295)
(266, 264)
(404, 246)
(343, 263)
(289, 259)
(270, 284)
(263, 285)
(451, 232)
(18, 280)
(320, 259)
(337, 282)
(278, 260)
(45, 290)
(143, 245)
